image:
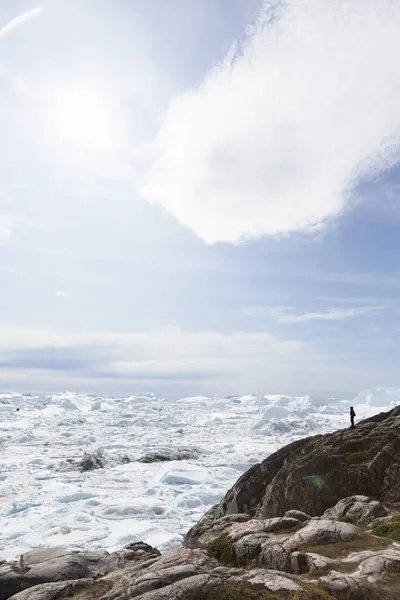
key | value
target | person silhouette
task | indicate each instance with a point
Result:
(352, 415)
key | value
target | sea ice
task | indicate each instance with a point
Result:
(42, 504)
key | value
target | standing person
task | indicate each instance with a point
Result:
(352, 415)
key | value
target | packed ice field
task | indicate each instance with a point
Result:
(46, 501)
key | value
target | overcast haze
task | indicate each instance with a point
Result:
(199, 197)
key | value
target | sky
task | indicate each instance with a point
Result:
(199, 197)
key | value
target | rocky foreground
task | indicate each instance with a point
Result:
(317, 520)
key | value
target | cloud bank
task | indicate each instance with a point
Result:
(277, 135)
(230, 362)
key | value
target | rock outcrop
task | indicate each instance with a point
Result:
(49, 566)
(315, 521)
(313, 474)
(235, 559)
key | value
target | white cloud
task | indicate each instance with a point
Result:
(176, 362)
(284, 315)
(170, 343)
(276, 135)
(23, 18)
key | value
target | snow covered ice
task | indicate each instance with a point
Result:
(45, 501)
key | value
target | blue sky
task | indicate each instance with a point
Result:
(199, 197)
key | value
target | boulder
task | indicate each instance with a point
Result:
(376, 566)
(308, 562)
(248, 549)
(49, 565)
(273, 581)
(91, 461)
(297, 514)
(344, 585)
(278, 524)
(357, 509)
(208, 529)
(169, 455)
(323, 531)
(274, 555)
(142, 550)
(54, 591)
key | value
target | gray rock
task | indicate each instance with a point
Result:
(357, 509)
(248, 548)
(297, 514)
(278, 524)
(169, 455)
(308, 562)
(322, 532)
(274, 556)
(146, 581)
(206, 530)
(341, 583)
(54, 591)
(180, 590)
(273, 581)
(376, 566)
(47, 566)
(142, 548)
(9, 581)
(91, 461)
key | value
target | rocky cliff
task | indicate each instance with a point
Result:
(317, 520)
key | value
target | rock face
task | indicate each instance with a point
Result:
(286, 531)
(313, 474)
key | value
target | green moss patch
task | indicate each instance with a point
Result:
(222, 549)
(389, 529)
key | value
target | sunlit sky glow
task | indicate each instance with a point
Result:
(83, 116)
(199, 197)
